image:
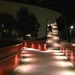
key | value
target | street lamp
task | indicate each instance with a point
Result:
(71, 27)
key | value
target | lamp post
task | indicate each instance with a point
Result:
(71, 27)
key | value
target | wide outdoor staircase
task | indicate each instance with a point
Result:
(31, 57)
(52, 40)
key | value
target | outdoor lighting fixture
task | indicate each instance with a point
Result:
(71, 27)
(28, 35)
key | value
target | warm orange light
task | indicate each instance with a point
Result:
(39, 47)
(49, 50)
(48, 25)
(73, 44)
(27, 55)
(31, 49)
(24, 51)
(54, 31)
(56, 45)
(16, 61)
(56, 51)
(60, 57)
(49, 41)
(48, 35)
(32, 45)
(55, 38)
(25, 68)
(54, 27)
(69, 72)
(44, 46)
(58, 54)
(64, 63)
(25, 44)
(26, 60)
(29, 60)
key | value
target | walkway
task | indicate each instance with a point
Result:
(50, 62)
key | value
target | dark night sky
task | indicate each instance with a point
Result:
(41, 13)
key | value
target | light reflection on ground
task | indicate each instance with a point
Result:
(50, 62)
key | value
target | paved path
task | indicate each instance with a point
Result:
(50, 62)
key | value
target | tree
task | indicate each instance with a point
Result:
(26, 22)
(6, 25)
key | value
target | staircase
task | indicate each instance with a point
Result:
(52, 37)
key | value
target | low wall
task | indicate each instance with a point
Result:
(35, 44)
(9, 58)
(69, 51)
(8, 42)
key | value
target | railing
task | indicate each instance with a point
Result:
(9, 58)
(10, 53)
(7, 42)
(69, 51)
(41, 45)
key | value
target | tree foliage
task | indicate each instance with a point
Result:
(24, 23)
(6, 25)
(27, 22)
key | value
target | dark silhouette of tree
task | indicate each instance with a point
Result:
(6, 25)
(27, 23)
